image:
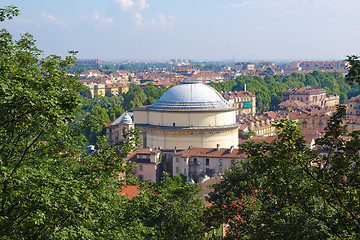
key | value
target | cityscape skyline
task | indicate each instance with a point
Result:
(203, 30)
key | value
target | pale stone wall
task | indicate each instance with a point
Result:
(168, 140)
(141, 117)
(186, 119)
(216, 165)
(148, 171)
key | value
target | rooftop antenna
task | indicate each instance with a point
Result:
(245, 87)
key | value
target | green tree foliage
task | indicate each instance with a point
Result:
(154, 93)
(354, 69)
(135, 97)
(268, 90)
(49, 187)
(96, 113)
(102, 110)
(285, 190)
(166, 210)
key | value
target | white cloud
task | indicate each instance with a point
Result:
(163, 22)
(138, 18)
(125, 5)
(51, 19)
(98, 20)
(142, 4)
(137, 7)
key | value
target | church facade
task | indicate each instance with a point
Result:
(190, 114)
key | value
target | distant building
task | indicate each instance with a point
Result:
(332, 100)
(90, 74)
(121, 76)
(116, 88)
(244, 101)
(92, 63)
(116, 130)
(147, 161)
(309, 96)
(197, 163)
(353, 106)
(208, 77)
(244, 66)
(187, 70)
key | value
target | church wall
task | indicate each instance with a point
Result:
(183, 141)
(187, 119)
(140, 117)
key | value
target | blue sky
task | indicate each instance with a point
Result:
(192, 29)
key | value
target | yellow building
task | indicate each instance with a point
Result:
(189, 114)
(244, 101)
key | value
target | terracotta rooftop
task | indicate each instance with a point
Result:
(304, 90)
(211, 152)
(129, 191)
(238, 94)
(354, 99)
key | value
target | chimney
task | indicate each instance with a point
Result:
(231, 149)
(175, 150)
(217, 147)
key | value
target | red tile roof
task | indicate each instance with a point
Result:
(129, 191)
(211, 152)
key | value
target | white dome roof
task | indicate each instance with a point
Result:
(126, 119)
(191, 94)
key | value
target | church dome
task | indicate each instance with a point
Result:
(126, 119)
(191, 94)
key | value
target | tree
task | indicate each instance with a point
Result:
(49, 187)
(167, 210)
(354, 69)
(284, 190)
(135, 97)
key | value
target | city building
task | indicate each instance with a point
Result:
(147, 164)
(116, 130)
(188, 114)
(353, 106)
(244, 101)
(93, 63)
(310, 96)
(199, 163)
(332, 100)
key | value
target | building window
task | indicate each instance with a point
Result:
(140, 167)
(173, 124)
(177, 169)
(185, 171)
(141, 177)
(220, 170)
(207, 162)
(177, 159)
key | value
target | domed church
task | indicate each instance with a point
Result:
(188, 114)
